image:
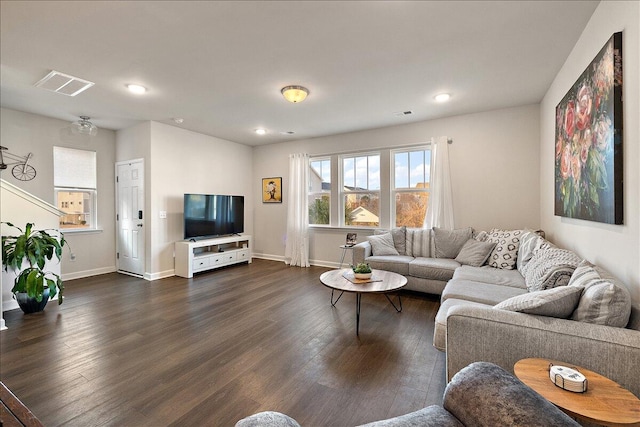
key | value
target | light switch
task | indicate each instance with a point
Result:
(163, 214)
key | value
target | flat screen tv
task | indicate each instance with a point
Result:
(211, 215)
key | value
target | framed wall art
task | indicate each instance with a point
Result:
(272, 190)
(588, 145)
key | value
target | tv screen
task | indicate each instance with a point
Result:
(210, 215)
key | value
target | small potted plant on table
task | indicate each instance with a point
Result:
(33, 286)
(362, 271)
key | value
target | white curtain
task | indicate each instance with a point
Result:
(297, 246)
(440, 206)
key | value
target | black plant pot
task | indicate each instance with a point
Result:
(31, 305)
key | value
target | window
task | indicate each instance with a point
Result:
(74, 180)
(320, 192)
(360, 190)
(410, 186)
(386, 188)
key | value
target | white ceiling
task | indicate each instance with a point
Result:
(221, 65)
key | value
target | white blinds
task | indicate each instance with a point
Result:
(74, 168)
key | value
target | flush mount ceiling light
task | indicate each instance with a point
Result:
(294, 94)
(84, 127)
(442, 97)
(261, 131)
(137, 89)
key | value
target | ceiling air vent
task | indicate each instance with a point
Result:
(62, 83)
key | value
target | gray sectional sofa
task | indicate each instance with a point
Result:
(527, 298)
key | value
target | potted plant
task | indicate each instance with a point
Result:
(33, 286)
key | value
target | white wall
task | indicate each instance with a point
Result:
(615, 247)
(22, 133)
(178, 161)
(494, 162)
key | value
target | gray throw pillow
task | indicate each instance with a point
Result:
(557, 302)
(604, 301)
(475, 253)
(382, 244)
(399, 236)
(449, 242)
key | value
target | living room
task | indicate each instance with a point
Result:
(502, 167)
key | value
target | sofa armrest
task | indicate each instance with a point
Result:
(504, 337)
(361, 251)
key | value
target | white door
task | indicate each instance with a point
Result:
(130, 217)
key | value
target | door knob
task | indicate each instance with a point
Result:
(139, 225)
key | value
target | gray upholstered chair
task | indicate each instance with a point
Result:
(482, 394)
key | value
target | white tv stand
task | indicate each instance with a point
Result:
(207, 254)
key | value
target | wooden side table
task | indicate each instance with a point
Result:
(605, 402)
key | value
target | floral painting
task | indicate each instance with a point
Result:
(588, 146)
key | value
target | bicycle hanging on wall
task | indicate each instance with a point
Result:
(21, 170)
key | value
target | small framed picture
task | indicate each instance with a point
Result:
(351, 239)
(272, 190)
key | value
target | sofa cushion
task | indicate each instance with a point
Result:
(604, 301)
(433, 268)
(530, 242)
(449, 242)
(556, 302)
(550, 268)
(399, 238)
(505, 254)
(418, 242)
(475, 253)
(485, 293)
(382, 244)
(431, 416)
(440, 329)
(395, 263)
(494, 276)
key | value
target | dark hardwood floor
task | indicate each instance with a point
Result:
(210, 350)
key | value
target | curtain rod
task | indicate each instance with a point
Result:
(339, 153)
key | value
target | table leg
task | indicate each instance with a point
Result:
(394, 306)
(344, 251)
(333, 303)
(358, 300)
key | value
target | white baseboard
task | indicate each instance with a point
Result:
(160, 275)
(2, 324)
(268, 257)
(88, 273)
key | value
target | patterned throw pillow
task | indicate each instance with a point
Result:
(604, 301)
(382, 244)
(418, 242)
(530, 241)
(557, 302)
(549, 268)
(505, 254)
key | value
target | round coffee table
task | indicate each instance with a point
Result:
(605, 402)
(381, 282)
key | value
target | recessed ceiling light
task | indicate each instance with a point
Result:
(137, 89)
(442, 97)
(261, 131)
